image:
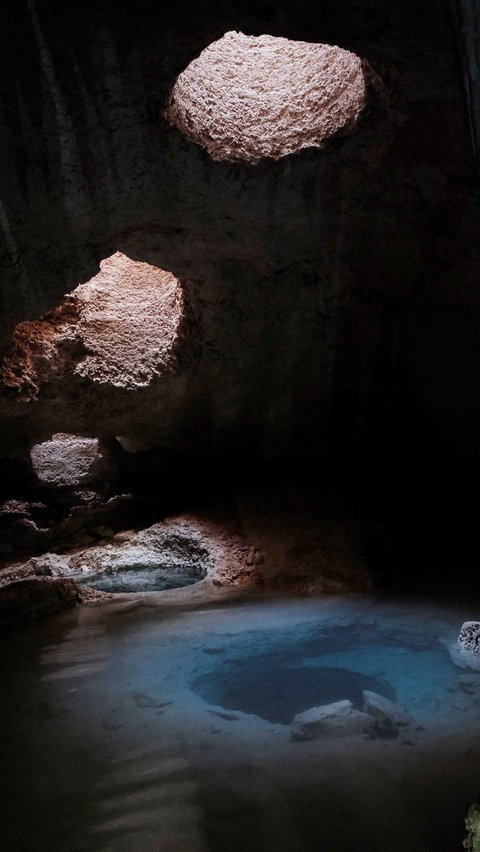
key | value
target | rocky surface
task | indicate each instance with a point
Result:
(64, 519)
(472, 825)
(251, 97)
(388, 717)
(120, 329)
(330, 313)
(310, 274)
(68, 461)
(191, 545)
(332, 720)
(281, 538)
(305, 539)
(178, 544)
(469, 636)
(31, 599)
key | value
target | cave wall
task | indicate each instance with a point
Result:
(332, 304)
(468, 28)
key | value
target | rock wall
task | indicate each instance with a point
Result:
(330, 294)
(468, 24)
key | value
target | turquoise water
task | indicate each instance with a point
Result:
(151, 727)
(327, 664)
(139, 580)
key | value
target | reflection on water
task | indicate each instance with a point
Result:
(161, 730)
(140, 580)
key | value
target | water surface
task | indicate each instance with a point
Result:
(162, 728)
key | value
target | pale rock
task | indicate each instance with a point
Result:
(252, 97)
(469, 636)
(388, 716)
(48, 565)
(66, 461)
(119, 329)
(332, 720)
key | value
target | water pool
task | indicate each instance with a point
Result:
(147, 727)
(139, 580)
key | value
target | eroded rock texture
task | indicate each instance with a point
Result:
(119, 329)
(28, 600)
(67, 461)
(330, 313)
(469, 637)
(248, 98)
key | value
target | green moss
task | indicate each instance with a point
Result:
(472, 824)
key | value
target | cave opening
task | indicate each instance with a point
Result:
(247, 98)
(119, 329)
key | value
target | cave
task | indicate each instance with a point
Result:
(239, 456)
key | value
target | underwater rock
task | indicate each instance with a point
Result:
(27, 600)
(335, 720)
(469, 636)
(388, 717)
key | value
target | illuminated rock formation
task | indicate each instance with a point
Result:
(67, 461)
(118, 329)
(249, 98)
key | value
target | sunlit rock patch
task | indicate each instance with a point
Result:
(177, 552)
(67, 461)
(254, 97)
(118, 329)
(172, 553)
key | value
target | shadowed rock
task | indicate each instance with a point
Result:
(28, 600)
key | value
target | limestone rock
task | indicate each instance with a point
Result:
(177, 544)
(118, 329)
(469, 636)
(252, 97)
(472, 825)
(284, 264)
(67, 461)
(388, 717)
(333, 720)
(48, 565)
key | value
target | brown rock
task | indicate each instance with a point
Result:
(67, 461)
(28, 600)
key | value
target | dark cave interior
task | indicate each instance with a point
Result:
(330, 322)
(239, 334)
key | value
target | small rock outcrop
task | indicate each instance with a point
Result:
(388, 717)
(119, 329)
(332, 720)
(31, 599)
(472, 824)
(48, 565)
(69, 461)
(469, 636)
(252, 97)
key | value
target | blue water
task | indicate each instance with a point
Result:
(139, 580)
(141, 726)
